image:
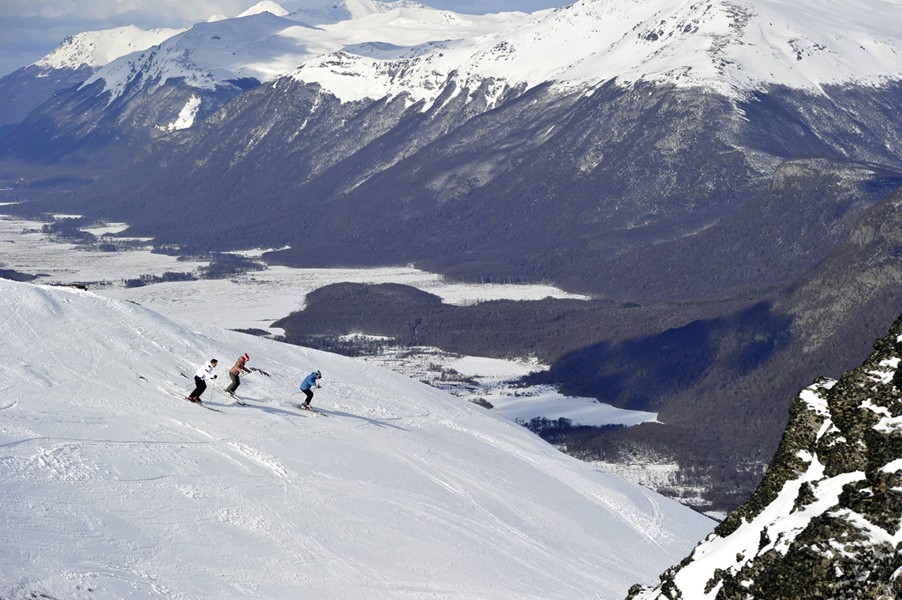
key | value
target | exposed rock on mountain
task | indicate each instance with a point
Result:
(825, 521)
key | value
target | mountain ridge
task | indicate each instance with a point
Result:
(95, 49)
(730, 47)
(733, 48)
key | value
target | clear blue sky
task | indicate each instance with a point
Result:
(29, 29)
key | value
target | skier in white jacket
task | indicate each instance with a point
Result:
(203, 373)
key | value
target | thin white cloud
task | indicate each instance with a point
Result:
(174, 10)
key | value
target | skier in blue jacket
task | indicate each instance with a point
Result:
(308, 384)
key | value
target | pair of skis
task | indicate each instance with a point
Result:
(202, 405)
(311, 409)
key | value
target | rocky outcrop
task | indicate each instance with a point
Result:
(825, 521)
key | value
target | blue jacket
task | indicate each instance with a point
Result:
(309, 381)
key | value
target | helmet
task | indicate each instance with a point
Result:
(318, 374)
(246, 357)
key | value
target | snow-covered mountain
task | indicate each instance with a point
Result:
(825, 522)
(732, 47)
(261, 43)
(264, 7)
(210, 54)
(74, 60)
(370, 49)
(326, 12)
(267, 41)
(97, 48)
(111, 485)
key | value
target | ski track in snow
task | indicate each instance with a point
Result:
(444, 477)
(650, 528)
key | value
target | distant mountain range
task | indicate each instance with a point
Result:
(69, 65)
(708, 172)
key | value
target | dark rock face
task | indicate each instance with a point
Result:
(825, 521)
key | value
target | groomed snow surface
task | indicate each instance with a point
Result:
(113, 486)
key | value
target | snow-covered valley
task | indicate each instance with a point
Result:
(254, 300)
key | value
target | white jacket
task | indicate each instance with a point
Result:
(206, 371)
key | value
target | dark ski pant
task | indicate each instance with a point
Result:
(201, 386)
(235, 383)
(309, 394)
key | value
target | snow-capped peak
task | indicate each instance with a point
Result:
(370, 49)
(265, 6)
(735, 45)
(97, 48)
(728, 45)
(264, 46)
